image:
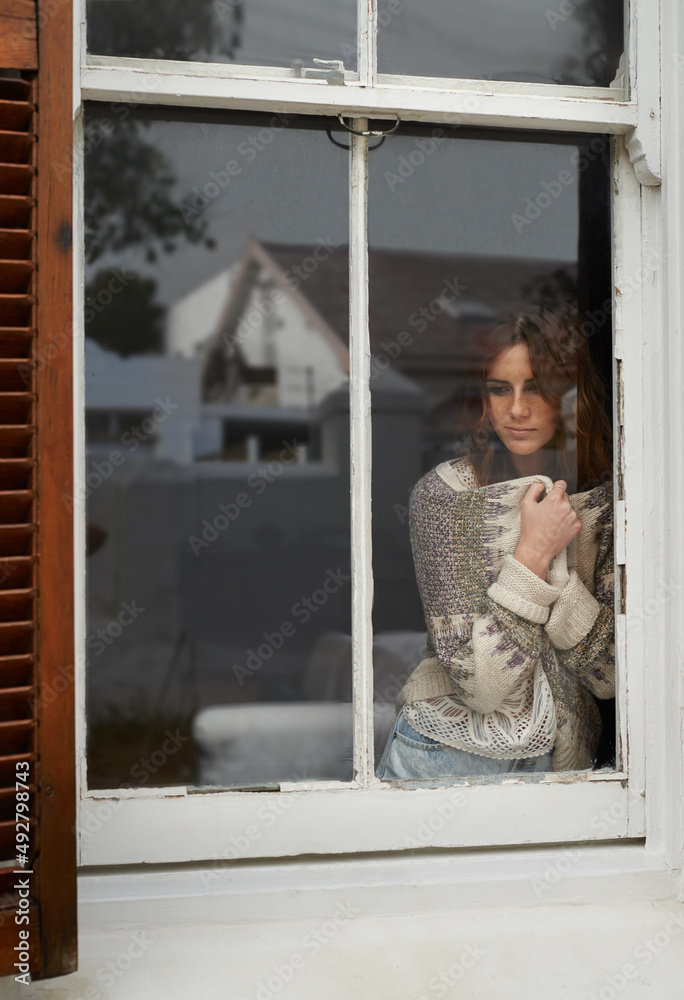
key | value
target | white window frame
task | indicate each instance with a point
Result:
(169, 825)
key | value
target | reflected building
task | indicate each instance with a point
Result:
(218, 471)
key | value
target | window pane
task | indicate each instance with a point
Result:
(526, 41)
(246, 32)
(216, 479)
(490, 259)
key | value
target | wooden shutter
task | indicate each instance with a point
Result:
(36, 533)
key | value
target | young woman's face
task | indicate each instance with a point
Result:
(520, 415)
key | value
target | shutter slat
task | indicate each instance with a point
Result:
(15, 637)
(16, 539)
(15, 275)
(17, 736)
(8, 878)
(15, 341)
(8, 854)
(15, 178)
(16, 147)
(10, 791)
(15, 703)
(8, 844)
(15, 244)
(15, 375)
(16, 310)
(15, 116)
(15, 474)
(15, 440)
(15, 407)
(14, 89)
(8, 803)
(15, 506)
(16, 573)
(15, 211)
(16, 605)
(15, 671)
(8, 767)
(8, 808)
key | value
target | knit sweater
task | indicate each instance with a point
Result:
(492, 623)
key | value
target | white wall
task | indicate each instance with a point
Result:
(193, 319)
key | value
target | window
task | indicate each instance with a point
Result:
(205, 130)
(293, 34)
(528, 42)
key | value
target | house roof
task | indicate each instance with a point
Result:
(401, 282)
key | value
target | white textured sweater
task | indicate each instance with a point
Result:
(510, 654)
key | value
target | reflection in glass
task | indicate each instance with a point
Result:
(289, 33)
(216, 479)
(529, 41)
(464, 232)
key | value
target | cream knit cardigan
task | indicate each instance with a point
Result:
(491, 621)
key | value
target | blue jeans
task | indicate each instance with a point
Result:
(410, 755)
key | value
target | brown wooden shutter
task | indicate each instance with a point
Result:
(36, 532)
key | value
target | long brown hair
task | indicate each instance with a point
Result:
(560, 362)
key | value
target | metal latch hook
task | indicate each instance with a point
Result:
(371, 133)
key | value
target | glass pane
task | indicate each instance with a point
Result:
(490, 292)
(289, 33)
(216, 479)
(526, 41)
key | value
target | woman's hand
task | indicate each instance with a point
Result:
(547, 527)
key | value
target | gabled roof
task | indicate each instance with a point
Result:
(401, 282)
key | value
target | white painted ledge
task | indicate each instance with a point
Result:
(332, 944)
(526, 877)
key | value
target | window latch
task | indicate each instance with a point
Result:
(333, 73)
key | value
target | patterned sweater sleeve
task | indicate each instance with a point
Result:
(581, 626)
(485, 612)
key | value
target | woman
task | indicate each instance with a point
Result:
(516, 577)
